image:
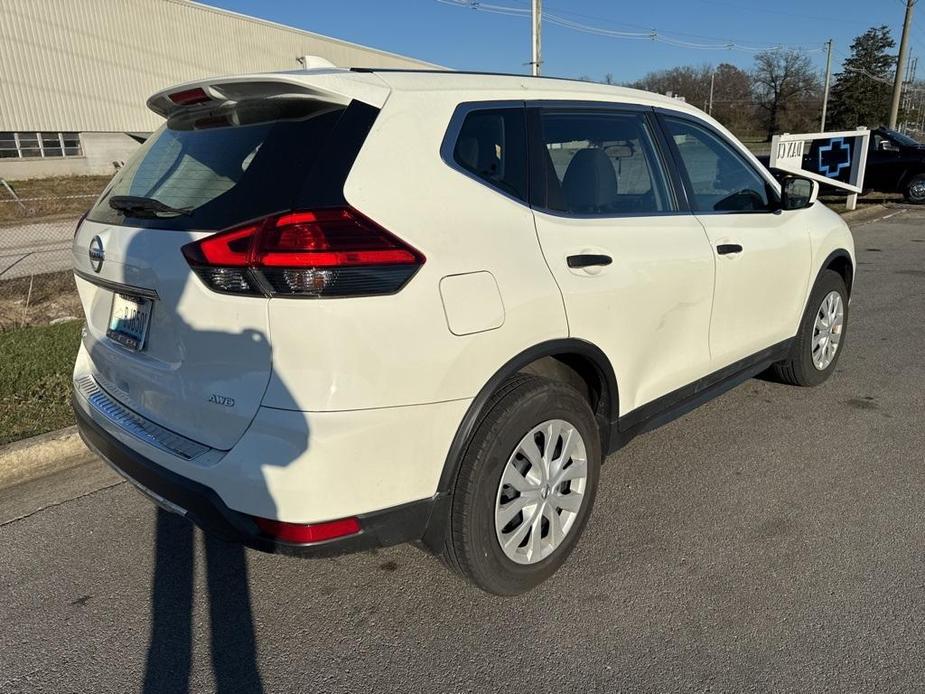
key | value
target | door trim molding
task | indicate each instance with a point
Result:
(681, 401)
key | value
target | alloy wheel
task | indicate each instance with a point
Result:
(917, 191)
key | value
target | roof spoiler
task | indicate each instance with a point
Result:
(330, 85)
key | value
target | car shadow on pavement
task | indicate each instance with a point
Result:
(233, 644)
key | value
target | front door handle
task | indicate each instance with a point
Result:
(727, 248)
(588, 260)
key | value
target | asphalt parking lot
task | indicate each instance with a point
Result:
(773, 540)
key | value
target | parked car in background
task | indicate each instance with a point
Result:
(895, 163)
(333, 310)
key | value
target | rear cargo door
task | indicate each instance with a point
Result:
(189, 358)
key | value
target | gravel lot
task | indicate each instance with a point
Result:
(774, 539)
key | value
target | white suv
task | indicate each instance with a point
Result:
(332, 309)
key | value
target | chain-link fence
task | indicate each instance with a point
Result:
(35, 247)
(36, 231)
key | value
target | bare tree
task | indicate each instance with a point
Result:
(732, 99)
(693, 83)
(732, 92)
(785, 87)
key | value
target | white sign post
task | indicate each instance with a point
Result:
(787, 153)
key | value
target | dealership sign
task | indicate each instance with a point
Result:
(836, 159)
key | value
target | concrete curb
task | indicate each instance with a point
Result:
(42, 455)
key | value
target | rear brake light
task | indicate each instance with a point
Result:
(188, 97)
(321, 253)
(304, 533)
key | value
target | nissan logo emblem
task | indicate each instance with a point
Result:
(97, 256)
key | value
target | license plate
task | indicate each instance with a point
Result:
(128, 321)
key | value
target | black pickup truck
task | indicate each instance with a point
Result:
(895, 163)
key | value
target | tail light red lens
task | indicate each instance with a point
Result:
(299, 533)
(321, 253)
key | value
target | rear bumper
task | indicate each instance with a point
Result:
(203, 506)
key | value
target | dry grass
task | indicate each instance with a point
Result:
(53, 298)
(66, 195)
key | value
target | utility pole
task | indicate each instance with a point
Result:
(537, 36)
(909, 96)
(922, 113)
(828, 81)
(712, 81)
(901, 63)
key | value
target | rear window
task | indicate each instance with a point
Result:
(225, 167)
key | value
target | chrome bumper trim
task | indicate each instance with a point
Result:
(104, 407)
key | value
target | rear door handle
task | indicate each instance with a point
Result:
(588, 260)
(727, 248)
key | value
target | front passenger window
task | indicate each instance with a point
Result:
(720, 179)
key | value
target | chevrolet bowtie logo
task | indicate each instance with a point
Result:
(834, 157)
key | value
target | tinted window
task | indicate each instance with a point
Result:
(902, 139)
(721, 180)
(492, 145)
(228, 167)
(600, 163)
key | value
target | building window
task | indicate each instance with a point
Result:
(29, 145)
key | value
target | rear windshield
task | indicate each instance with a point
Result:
(220, 168)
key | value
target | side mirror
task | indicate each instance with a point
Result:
(797, 193)
(887, 146)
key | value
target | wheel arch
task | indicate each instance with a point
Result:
(908, 174)
(565, 360)
(841, 262)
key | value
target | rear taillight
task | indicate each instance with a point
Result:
(323, 253)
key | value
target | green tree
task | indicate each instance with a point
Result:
(786, 90)
(862, 90)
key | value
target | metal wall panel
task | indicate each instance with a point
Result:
(89, 65)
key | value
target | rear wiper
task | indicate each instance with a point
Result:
(140, 206)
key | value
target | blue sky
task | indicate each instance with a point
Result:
(464, 38)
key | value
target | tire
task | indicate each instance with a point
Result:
(472, 546)
(915, 190)
(801, 368)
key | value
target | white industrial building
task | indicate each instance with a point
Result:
(75, 74)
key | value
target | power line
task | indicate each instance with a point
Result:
(783, 13)
(650, 35)
(648, 30)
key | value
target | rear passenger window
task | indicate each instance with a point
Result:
(602, 163)
(492, 146)
(720, 179)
